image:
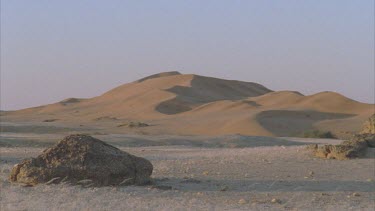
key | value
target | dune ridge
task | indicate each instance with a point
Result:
(188, 104)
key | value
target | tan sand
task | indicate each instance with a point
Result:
(173, 103)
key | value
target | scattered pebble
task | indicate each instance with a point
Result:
(278, 201)
(224, 188)
(242, 201)
(356, 194)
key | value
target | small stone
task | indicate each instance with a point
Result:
(311, 173)
(356, 194)
(242, 201)
(276, 201)
(224, 188)
(205, 173)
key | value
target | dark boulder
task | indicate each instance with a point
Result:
(83, 158)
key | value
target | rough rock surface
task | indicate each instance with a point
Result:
(343, 151)
(354, 148)
(367, 137)
(79, 158)
(369, 126)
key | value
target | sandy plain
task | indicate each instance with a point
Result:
(225, 172)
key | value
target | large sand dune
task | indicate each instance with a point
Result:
(197, 131)
(175, 103)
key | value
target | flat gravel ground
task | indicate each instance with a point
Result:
(193, 178)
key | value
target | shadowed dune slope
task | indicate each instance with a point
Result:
(205, 90)
(177, 103)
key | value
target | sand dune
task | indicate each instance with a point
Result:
(159, 75)
(176, 103)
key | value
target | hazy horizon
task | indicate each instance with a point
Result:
(51, 51)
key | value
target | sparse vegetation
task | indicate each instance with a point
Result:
(318, 134)
(134, 124)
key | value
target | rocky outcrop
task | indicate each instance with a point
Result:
(369, 126)
(343, 151)
(366, 137)
(79, 158)
(353, 148)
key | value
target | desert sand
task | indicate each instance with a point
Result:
(215, 145)
(230, 172)
(186, 104)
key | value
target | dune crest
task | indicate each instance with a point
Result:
(159, 75)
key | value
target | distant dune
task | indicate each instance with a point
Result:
(175, 103)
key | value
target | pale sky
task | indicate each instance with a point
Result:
(52, 50)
